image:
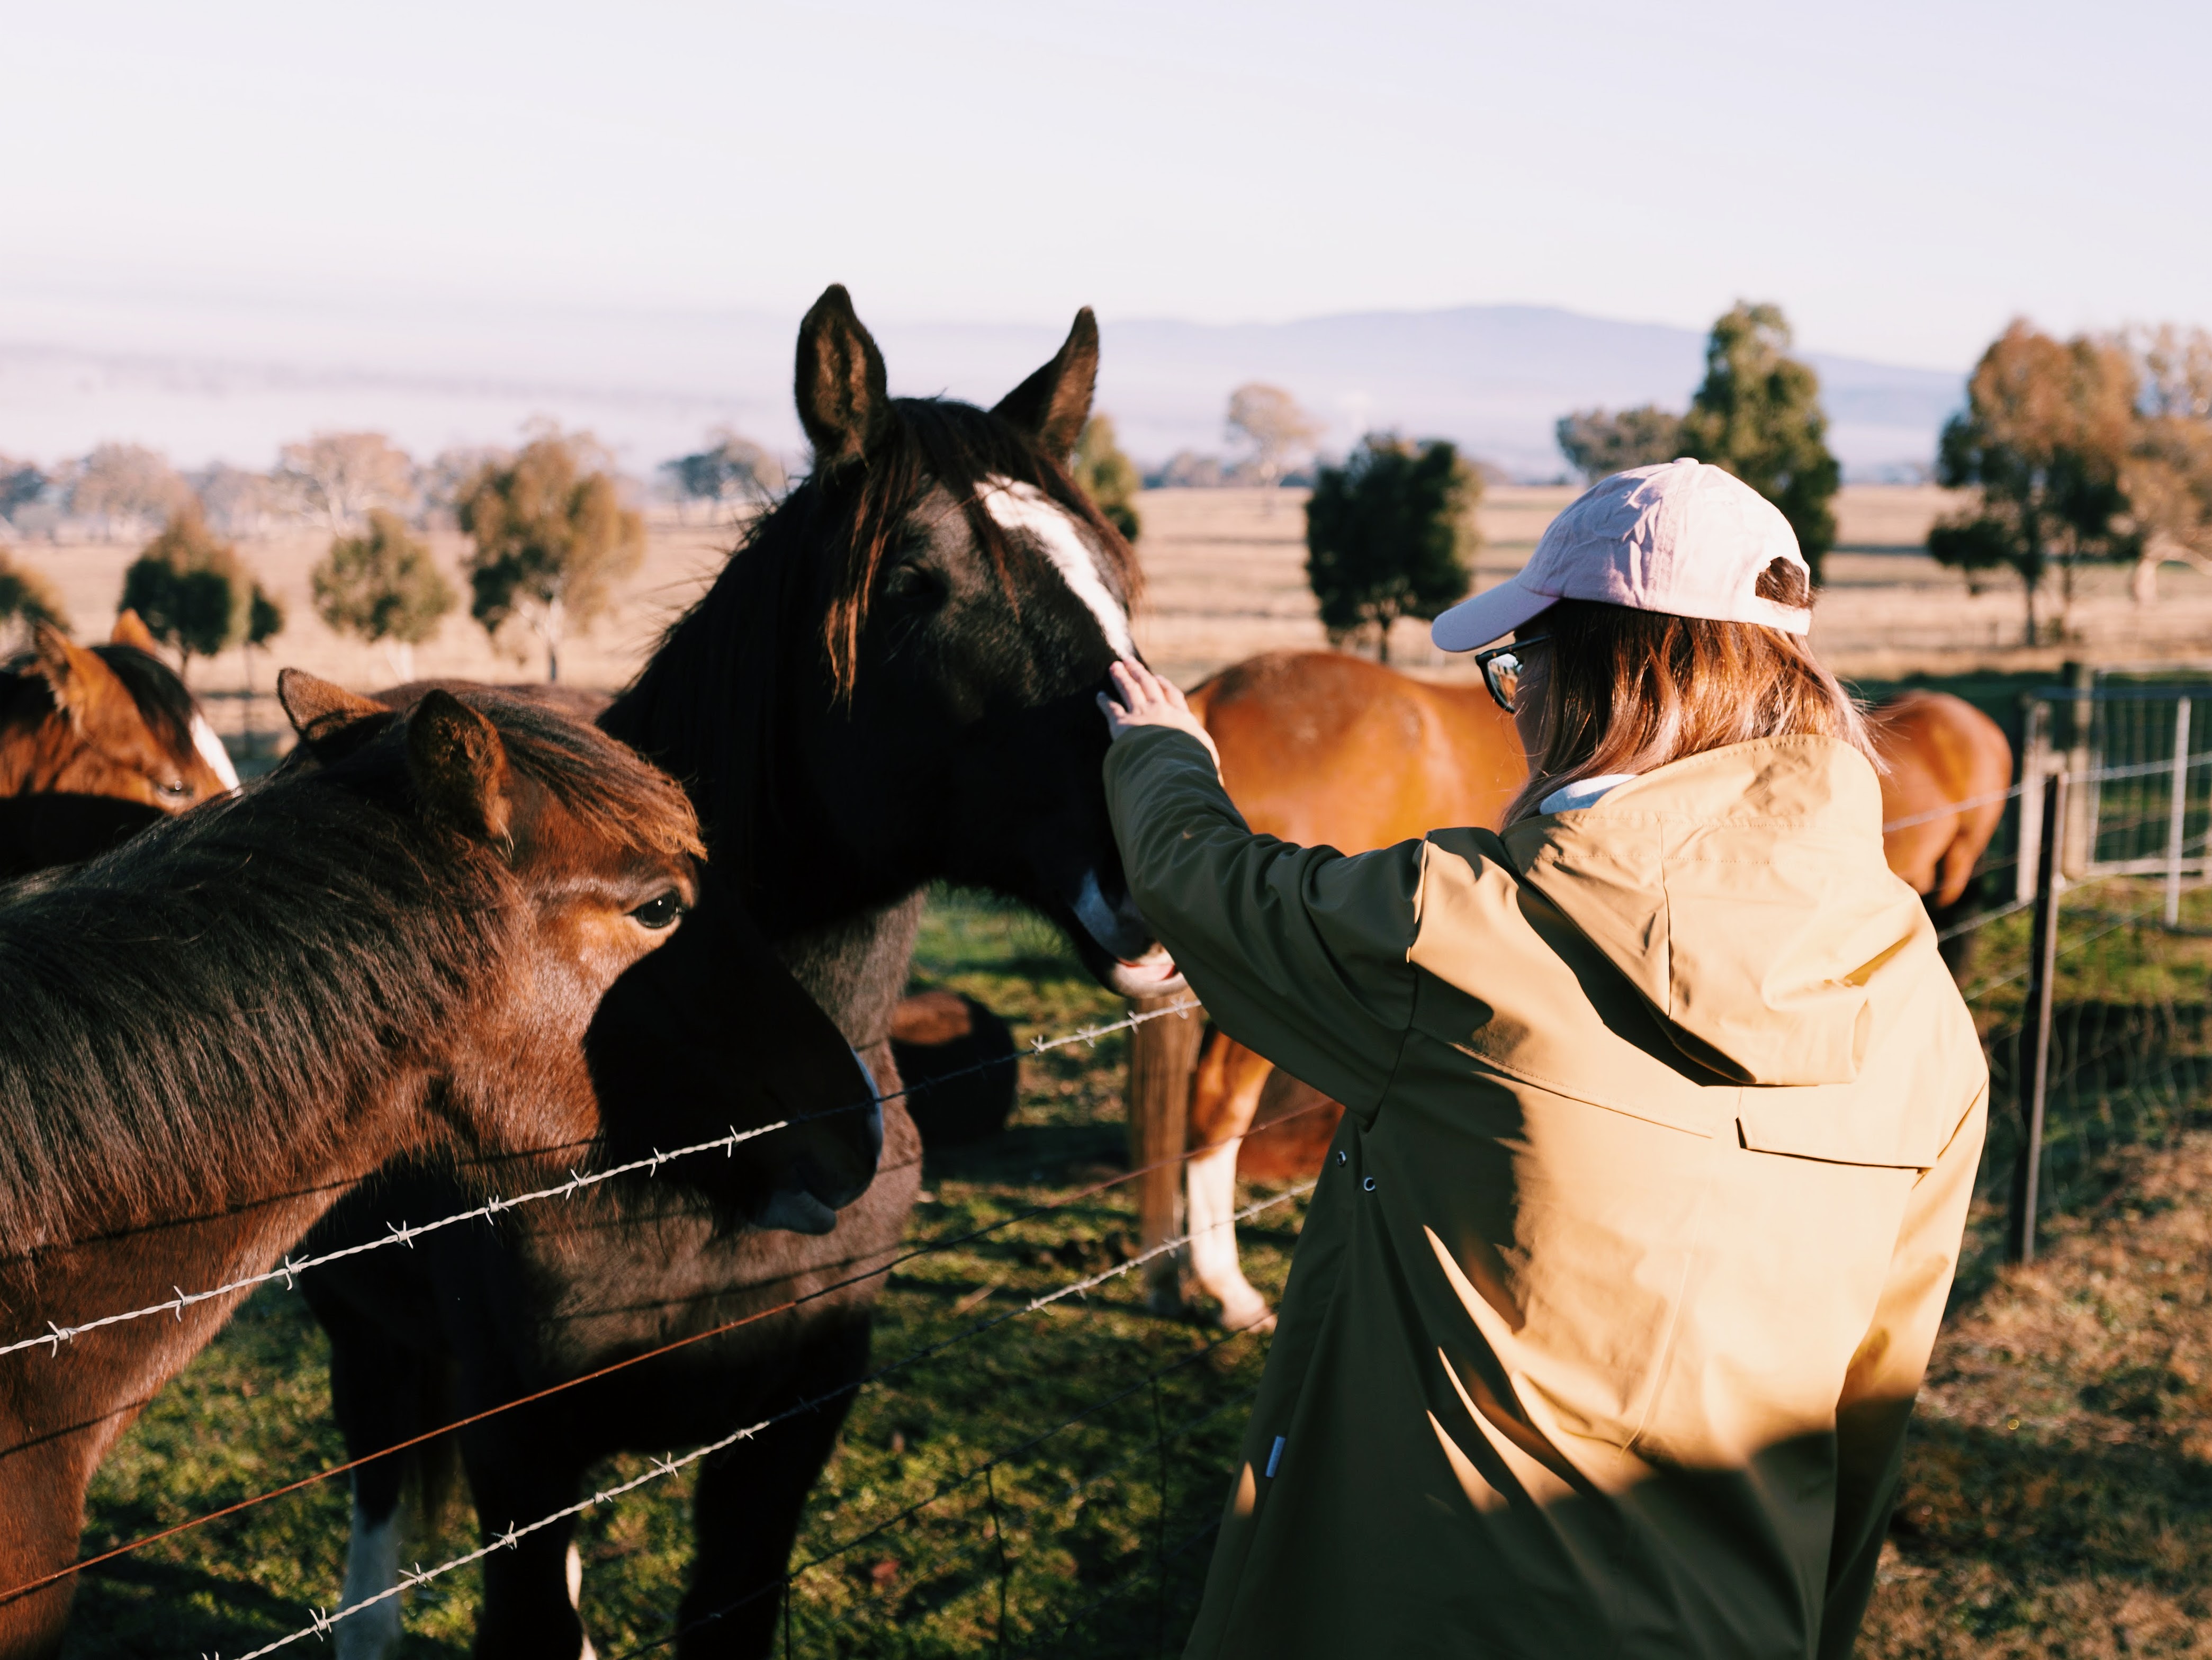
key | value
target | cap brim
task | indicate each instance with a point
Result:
(1473, 623)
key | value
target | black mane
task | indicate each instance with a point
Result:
(706, 704)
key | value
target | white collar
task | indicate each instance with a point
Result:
(1583, 793)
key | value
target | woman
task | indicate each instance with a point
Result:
(1662, 1118)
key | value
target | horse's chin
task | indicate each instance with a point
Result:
(1152, 974)
(794, 1211)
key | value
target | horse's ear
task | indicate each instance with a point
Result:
(320, 708)
(130, 631)
(459, 764)
(80, 682)
(842, 398)
(1053, 404)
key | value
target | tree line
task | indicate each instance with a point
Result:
(550, 535)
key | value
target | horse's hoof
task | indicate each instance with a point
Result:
(1247, 1314)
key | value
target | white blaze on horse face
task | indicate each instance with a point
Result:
(212, 751)
(1017, 507)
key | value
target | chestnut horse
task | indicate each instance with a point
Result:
(890, 685)
(213, 1028)
(1319, 748)
(96, 743)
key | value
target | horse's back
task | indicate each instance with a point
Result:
(1321, 747)
(1940, 752)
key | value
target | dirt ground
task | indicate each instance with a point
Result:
(2058, 1499)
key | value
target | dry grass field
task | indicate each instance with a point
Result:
(1226, 579)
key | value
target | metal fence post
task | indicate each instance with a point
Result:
(2176, 811)
(2034, 1064)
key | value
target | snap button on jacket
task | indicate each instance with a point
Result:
(1662, 1117)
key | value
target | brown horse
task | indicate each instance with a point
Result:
(96, 743)
(395, 947)
(1321, 748)
(1949, 766)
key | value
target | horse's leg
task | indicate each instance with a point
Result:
(749, 1502)
(1226, 1097)
(41, 1516)
(374, 1385)
(522, 1467)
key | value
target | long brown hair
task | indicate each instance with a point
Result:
(1630, 690)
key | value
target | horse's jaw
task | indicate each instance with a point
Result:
(1134, 965)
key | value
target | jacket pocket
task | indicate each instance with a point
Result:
(1845, 1129)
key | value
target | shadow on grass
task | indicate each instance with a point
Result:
(2033, 1513)
(136, 1606)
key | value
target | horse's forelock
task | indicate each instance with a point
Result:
(166, 707)
(970, 453)
(600, 780)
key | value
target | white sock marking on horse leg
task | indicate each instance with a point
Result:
(576, 1570)
(212, 751)
(1017, 507)
(1210, 1183)
(372, 1565)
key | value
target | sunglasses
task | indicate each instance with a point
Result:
(1501, 668)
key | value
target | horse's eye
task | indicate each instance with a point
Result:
(177, 790)
(907, 581)
(657, 912)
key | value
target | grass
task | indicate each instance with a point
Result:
(2058, 1487)
(1080, 1512)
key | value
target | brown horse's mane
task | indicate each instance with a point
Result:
(163, 703)
(705, 702)
(203, 1005)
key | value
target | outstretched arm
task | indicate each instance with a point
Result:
(1299, 953)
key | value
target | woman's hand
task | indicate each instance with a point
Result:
(1141, 698)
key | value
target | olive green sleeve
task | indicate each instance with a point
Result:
(1299, 953)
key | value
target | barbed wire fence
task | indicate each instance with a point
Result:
(58, 1341)
(2090, 989)
(2091, 1005)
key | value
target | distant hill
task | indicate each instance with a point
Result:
(208, 379)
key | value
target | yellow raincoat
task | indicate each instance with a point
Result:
(1662, 1117)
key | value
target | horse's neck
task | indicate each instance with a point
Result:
(856, 967)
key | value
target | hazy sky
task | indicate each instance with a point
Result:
(1901, 177)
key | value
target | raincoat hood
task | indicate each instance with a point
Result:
(1743, 893)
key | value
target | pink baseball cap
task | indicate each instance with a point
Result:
(1681, 537)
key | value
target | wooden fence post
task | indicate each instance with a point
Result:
(2035, 769)
(2033, 1071)
(1163, 1057)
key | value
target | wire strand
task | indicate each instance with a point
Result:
(55, 1336)
(321, 1622)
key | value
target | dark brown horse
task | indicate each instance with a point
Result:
(96, 743)
(1320, 748)
(395, 947)
(890, 685)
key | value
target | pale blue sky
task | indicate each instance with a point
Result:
(1902, 178)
